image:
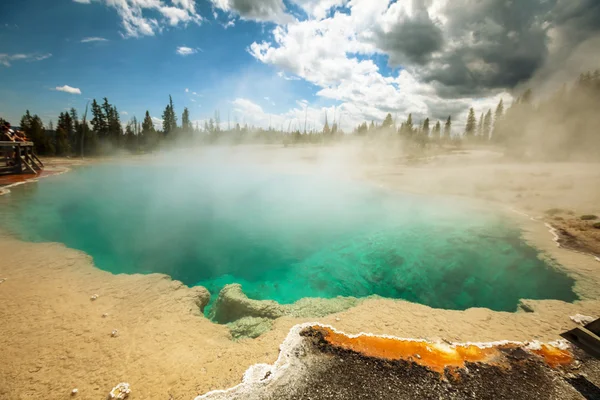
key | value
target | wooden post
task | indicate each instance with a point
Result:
(18, 160)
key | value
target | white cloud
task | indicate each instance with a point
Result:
(135, 19)
(124, 113)
(335, 54)
(8, 59)
(93, 39)
(187, 90)
(255, 10)
(68, 89)
(247, 112)
(185, 51)
(158, 123)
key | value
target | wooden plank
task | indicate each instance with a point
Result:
(19, 160)
(585, 339)
(29, 167)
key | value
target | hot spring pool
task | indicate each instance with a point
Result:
(284, 236)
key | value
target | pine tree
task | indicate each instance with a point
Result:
(26, 121)
(480, 126)
(147, 125)
(186, 126)
(326, 130)
(217, 127)
(34, 130)
(64, 129)
(74, 131)
(149, 135)
(499, 111)
(526, 97)
(437, 129)
(99, 123)
(388, 121)
(409, 123)
(169, 118)
(114, 126)
(448, 127)
(487, 125)
(130, 141)
(471, 124)
(62, 146)
(497, 120)
(425, 130)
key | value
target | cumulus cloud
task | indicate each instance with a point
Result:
(448, 55)
(136, 22)
(158, 123)
(185, 51)
(68, 89)
(93, 39)
(8, 59)
(409, 34)
(256, 10)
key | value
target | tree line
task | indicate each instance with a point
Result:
(562, 126)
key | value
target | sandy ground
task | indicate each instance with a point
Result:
(54, 338)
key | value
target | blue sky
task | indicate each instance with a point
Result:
(273, 61)
(134, 73)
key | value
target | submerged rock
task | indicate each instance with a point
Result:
(201, 297)
(250, 327)
(246, 317)
(232, 305)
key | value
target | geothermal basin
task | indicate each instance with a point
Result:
(285, 236)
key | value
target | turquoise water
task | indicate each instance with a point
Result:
(284, 236)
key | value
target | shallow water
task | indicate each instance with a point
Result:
(284, 236)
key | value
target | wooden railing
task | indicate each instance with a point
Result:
(19, 158)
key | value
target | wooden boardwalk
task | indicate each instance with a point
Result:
(19, 158)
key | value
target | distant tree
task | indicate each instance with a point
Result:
(448, 127)
(499, 110)
(388, 121)
(149, 135)
(73, 132)
(114, 126)
(26, 121)
(480, 126)
(62, 147)
(425, 130)
(130, 138)
(217, 127)
(34, 130)
(437, 130)
(169, 118)
(65, 134)
(487, 125)
(99, 123)
(326, 129)
(147, 124)
(186, 126)
(471, 124)
(372, 126)
(406, 128)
